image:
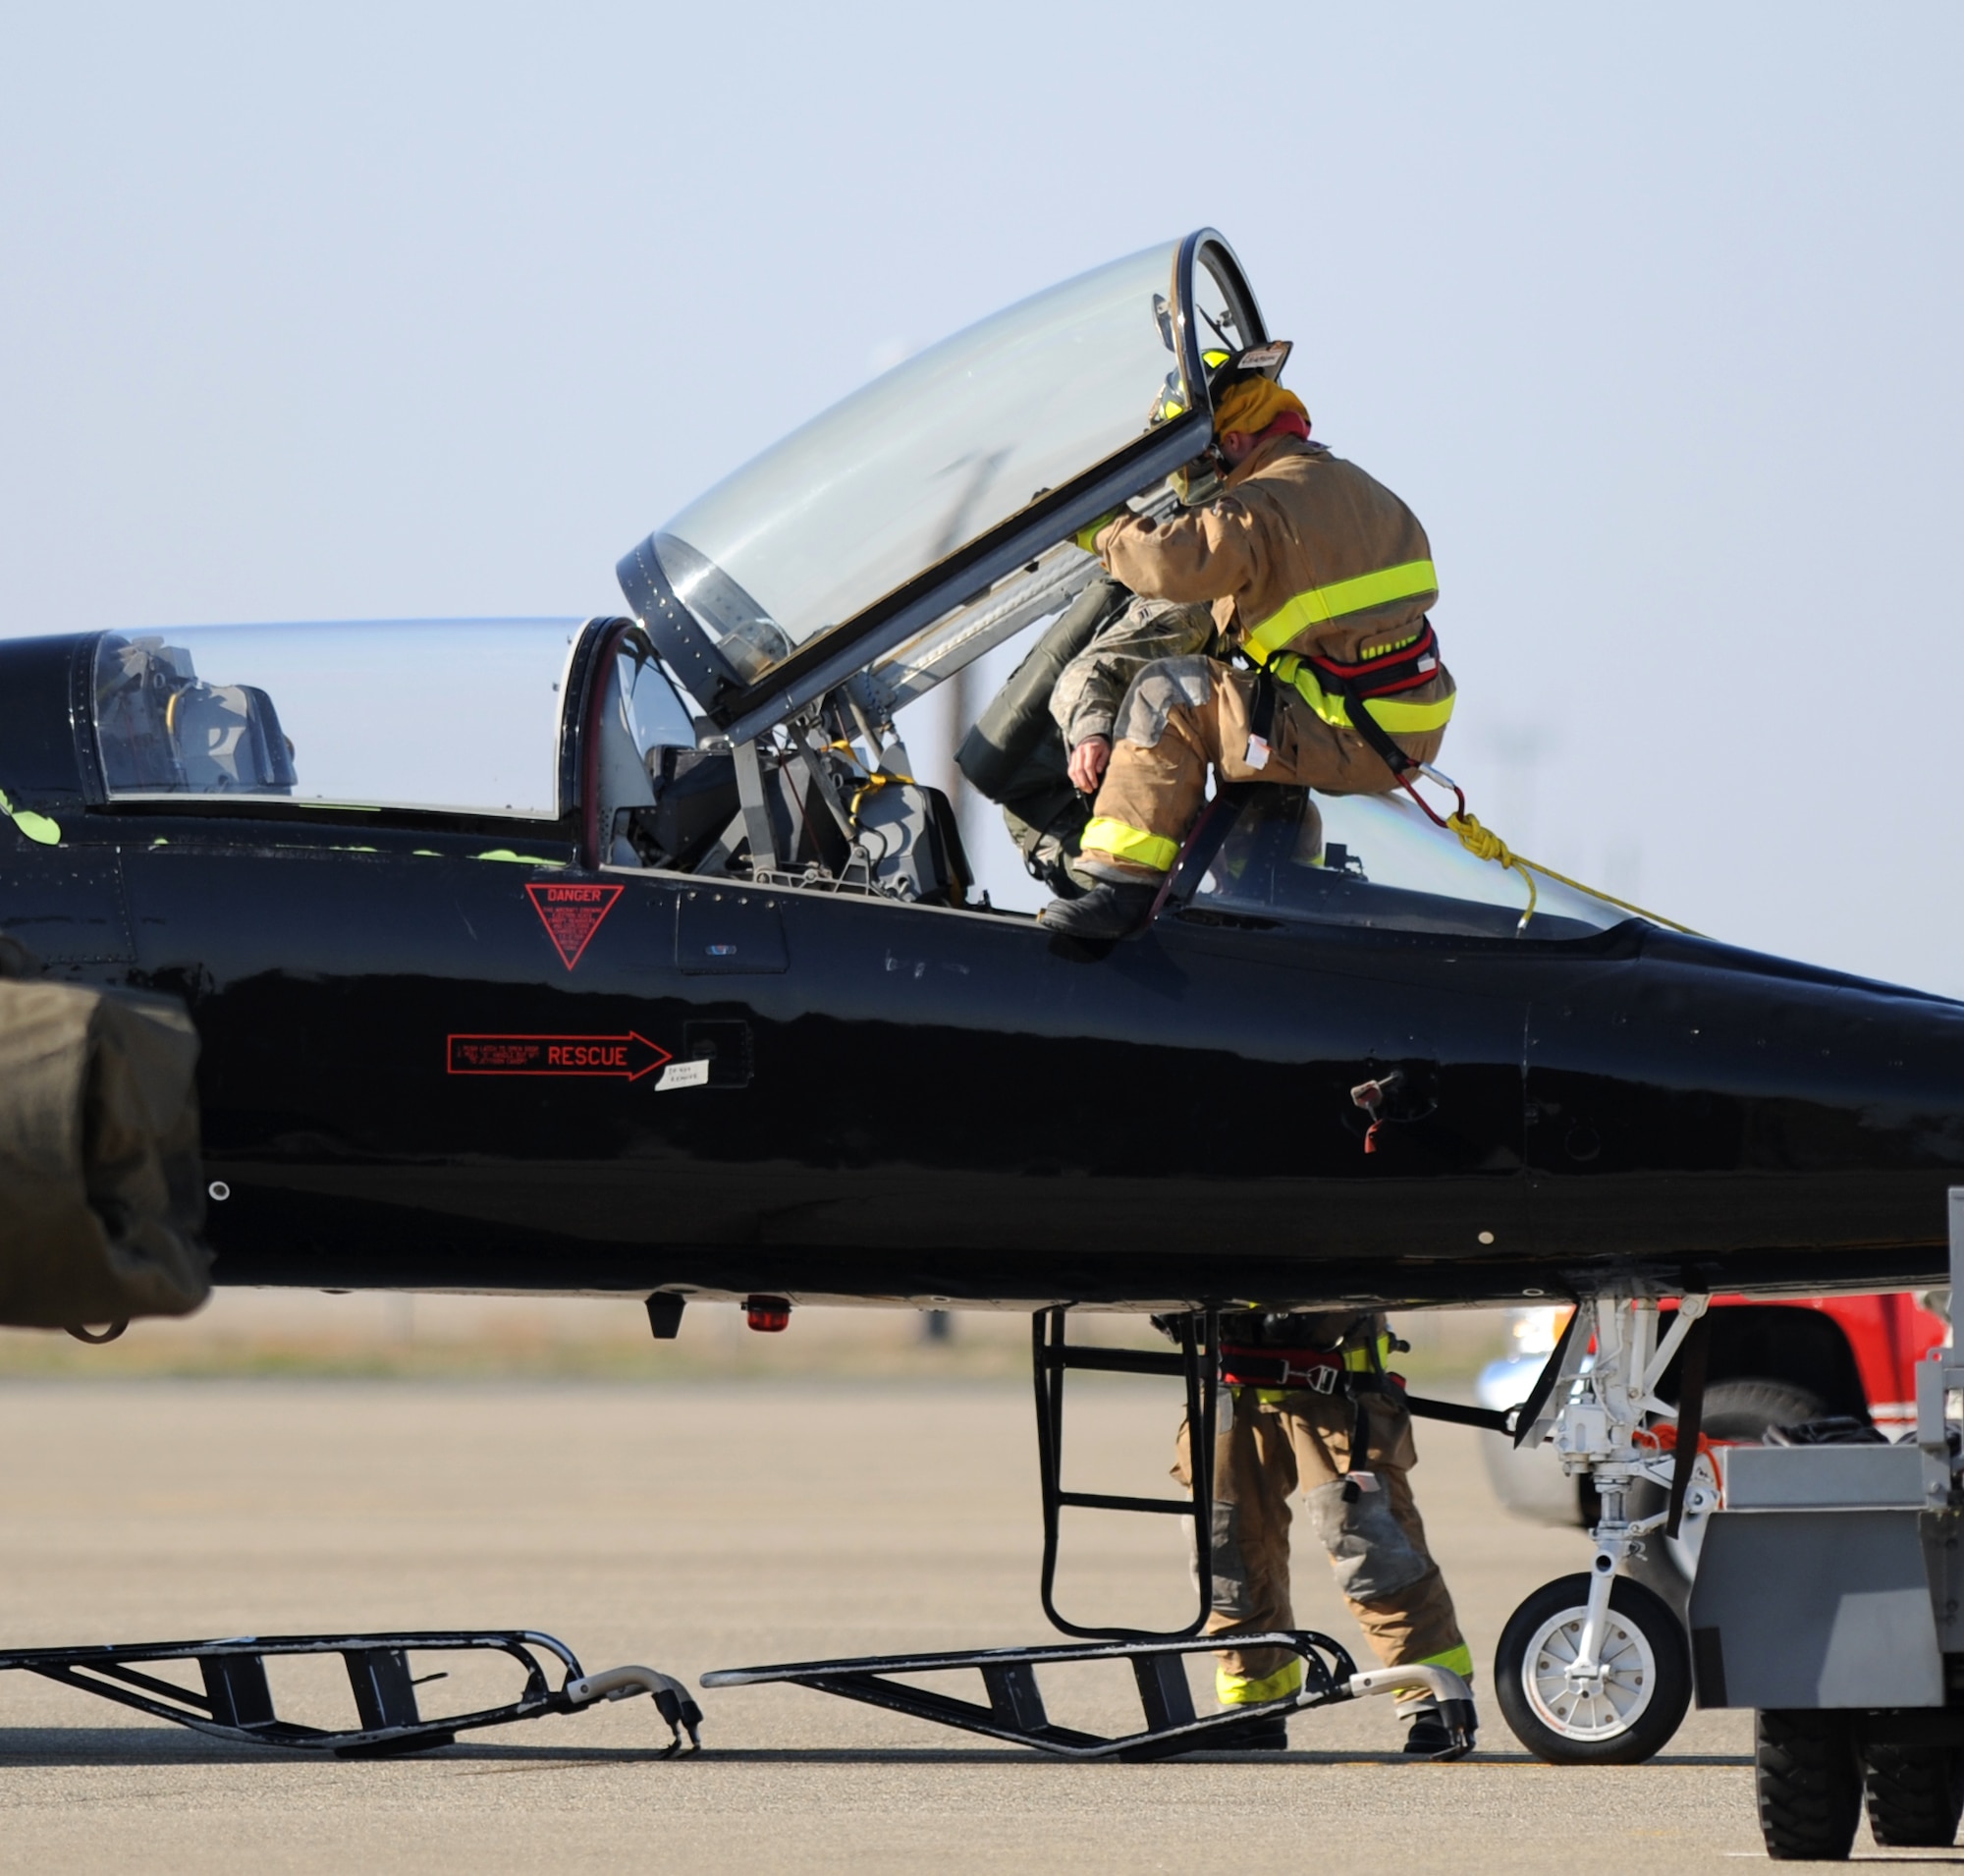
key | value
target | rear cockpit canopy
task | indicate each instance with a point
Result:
(449, 716)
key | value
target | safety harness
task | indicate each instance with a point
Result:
(1354, 1373)
(1320, 1370)
(1341, 692)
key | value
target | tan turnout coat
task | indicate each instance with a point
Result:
(1292, 519)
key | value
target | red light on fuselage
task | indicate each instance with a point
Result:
(767, 1314)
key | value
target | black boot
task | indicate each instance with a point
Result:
(1268, 1734)
(1105, 912)
(1429, 1737)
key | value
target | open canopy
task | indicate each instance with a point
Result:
(945, 475)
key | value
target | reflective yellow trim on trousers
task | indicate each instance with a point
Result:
(1321, 604)
(1107, 836)
(1399, 717)
(1238, 1690)
(1457, 1660)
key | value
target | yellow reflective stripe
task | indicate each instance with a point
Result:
(1321, 604)
(1359, 1359)
(1238, 1690)
(1456, 1661)
(1107, 836)
(1086, 536)
(1397, 715)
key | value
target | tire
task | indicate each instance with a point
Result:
(1740, 1409)
(1809, 1784)
(1649, 1683)
(1915, 1795)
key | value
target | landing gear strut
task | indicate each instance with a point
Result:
(1594, 1668)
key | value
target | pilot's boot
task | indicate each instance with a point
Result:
(1107, 910)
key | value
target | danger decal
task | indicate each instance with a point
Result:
(572, 914)
(622, 1058)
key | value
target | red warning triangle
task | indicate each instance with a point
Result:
(572, 914)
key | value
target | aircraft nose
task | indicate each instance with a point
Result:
(1796, 1128)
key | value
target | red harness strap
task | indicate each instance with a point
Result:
(1317, 1370)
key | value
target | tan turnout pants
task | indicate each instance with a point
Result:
(1182, 715)
(1376, 1540)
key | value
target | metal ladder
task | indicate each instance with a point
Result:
(1197, 1362)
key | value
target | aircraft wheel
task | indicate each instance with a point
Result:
(1809, 1784)
(1739, 1410)
(1915, 1794)
(1626, 1716)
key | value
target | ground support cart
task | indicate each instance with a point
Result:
(1829, 1598)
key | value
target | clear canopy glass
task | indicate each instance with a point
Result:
(459, 716)
(1376, 861)
(922, 461)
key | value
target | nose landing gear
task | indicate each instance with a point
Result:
(1615, 1703)
(1594, 1668)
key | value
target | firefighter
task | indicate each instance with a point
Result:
(1308, 1406)
(1320, 577)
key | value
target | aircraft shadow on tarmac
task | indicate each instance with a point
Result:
(146, 1746)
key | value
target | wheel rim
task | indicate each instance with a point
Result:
(1588, 1710)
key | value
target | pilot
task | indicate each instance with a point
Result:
(1307, 1407)
(1027, 751)
(1320, 577)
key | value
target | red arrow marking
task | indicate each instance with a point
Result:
(622, 1058)
(572, 914)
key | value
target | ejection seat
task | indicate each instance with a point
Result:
(163, 726)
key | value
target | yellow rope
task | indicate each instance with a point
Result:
(874, 779)
(1484, 843)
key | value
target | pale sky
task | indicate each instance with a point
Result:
(1650, 314)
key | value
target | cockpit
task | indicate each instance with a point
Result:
(743, 721)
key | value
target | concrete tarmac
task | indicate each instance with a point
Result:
(705, 1525)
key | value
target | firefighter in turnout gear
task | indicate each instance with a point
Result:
(1316, 574)
(1308, 1406)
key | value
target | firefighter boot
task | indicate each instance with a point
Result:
(1109, 910)
(1428, 1736)
(1268, 1734)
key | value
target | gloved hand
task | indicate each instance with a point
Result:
(1087, 536)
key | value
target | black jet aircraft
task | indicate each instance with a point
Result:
(625, 956)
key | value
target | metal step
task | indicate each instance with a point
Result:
(235, 1699)
(1014, 1709)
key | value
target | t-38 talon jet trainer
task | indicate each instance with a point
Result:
(624, 956)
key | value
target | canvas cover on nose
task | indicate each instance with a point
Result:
(101, 1190)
